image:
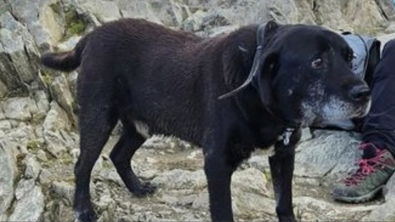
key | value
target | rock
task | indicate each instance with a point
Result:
(19, 67)
(50, 26)
(8, 173)
(56, 144)
(44, 19)
(41, 156)
(105, 11)
(249, 181)
(170, 12)
(112, 176)
(64, 190)
(72, 80)
(19, 108)
(385, 212)
(33, 168)
(5, 125)
(3, 89)
(56, 119)
(69, 44)
(390, 189)
(181, 179)
(194, 23)
(169, 200)
(331, 154)
(251, 205)
(249, 193)
(313, 209)
(141, 9)
(60, 89)
(246, 205)
(339, 16)
(3, 217)
(106, 202)
(306, 134)
(56, 209)
(259, 161)
(23, 187)
(30, 206)
(346, 15)
(387, 8)
(41, 99)
(220, 30)
(22, 134)
(45, 177)
(186, 200)
(201, 201)
(54, 126)
(188, 216)
(148, 174)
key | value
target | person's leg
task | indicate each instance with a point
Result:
(379, 125)
(378, 130)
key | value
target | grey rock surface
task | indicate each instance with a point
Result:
(8, 173)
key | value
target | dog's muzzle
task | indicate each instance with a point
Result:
(360, 93)
(361, 96)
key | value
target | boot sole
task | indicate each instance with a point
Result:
(360, 199)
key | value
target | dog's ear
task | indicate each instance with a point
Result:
(262, 53)
(262, 80)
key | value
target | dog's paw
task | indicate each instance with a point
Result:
(86, 215)
(144, 189)
(290, 218)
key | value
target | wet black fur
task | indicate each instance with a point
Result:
(171, 80)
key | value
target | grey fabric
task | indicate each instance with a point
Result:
(361, 46)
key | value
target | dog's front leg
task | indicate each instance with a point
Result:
(218, 174)
(282, 168)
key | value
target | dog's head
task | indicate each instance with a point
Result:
(303, 72)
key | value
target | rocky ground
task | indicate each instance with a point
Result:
(39, 140)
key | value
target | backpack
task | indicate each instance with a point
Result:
(366, 54)
(366, 57)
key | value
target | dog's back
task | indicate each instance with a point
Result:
(150, 71)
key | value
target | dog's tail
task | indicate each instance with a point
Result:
(65, 61)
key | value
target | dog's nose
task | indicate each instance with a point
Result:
(360, 93)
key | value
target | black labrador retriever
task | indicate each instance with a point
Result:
(256, 87)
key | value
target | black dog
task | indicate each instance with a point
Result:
(255, 87)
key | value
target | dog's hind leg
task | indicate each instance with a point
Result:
(121, 156)
(97, 119)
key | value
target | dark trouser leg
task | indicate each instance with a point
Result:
(379, 125)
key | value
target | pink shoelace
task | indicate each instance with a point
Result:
(366, 166)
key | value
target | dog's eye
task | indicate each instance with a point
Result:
(350, 57)
(317, 63)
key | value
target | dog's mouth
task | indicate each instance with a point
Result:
(363, 110)
(334, 109)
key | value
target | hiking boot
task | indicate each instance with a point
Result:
(375, 168)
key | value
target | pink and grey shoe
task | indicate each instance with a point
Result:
(375, 168)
